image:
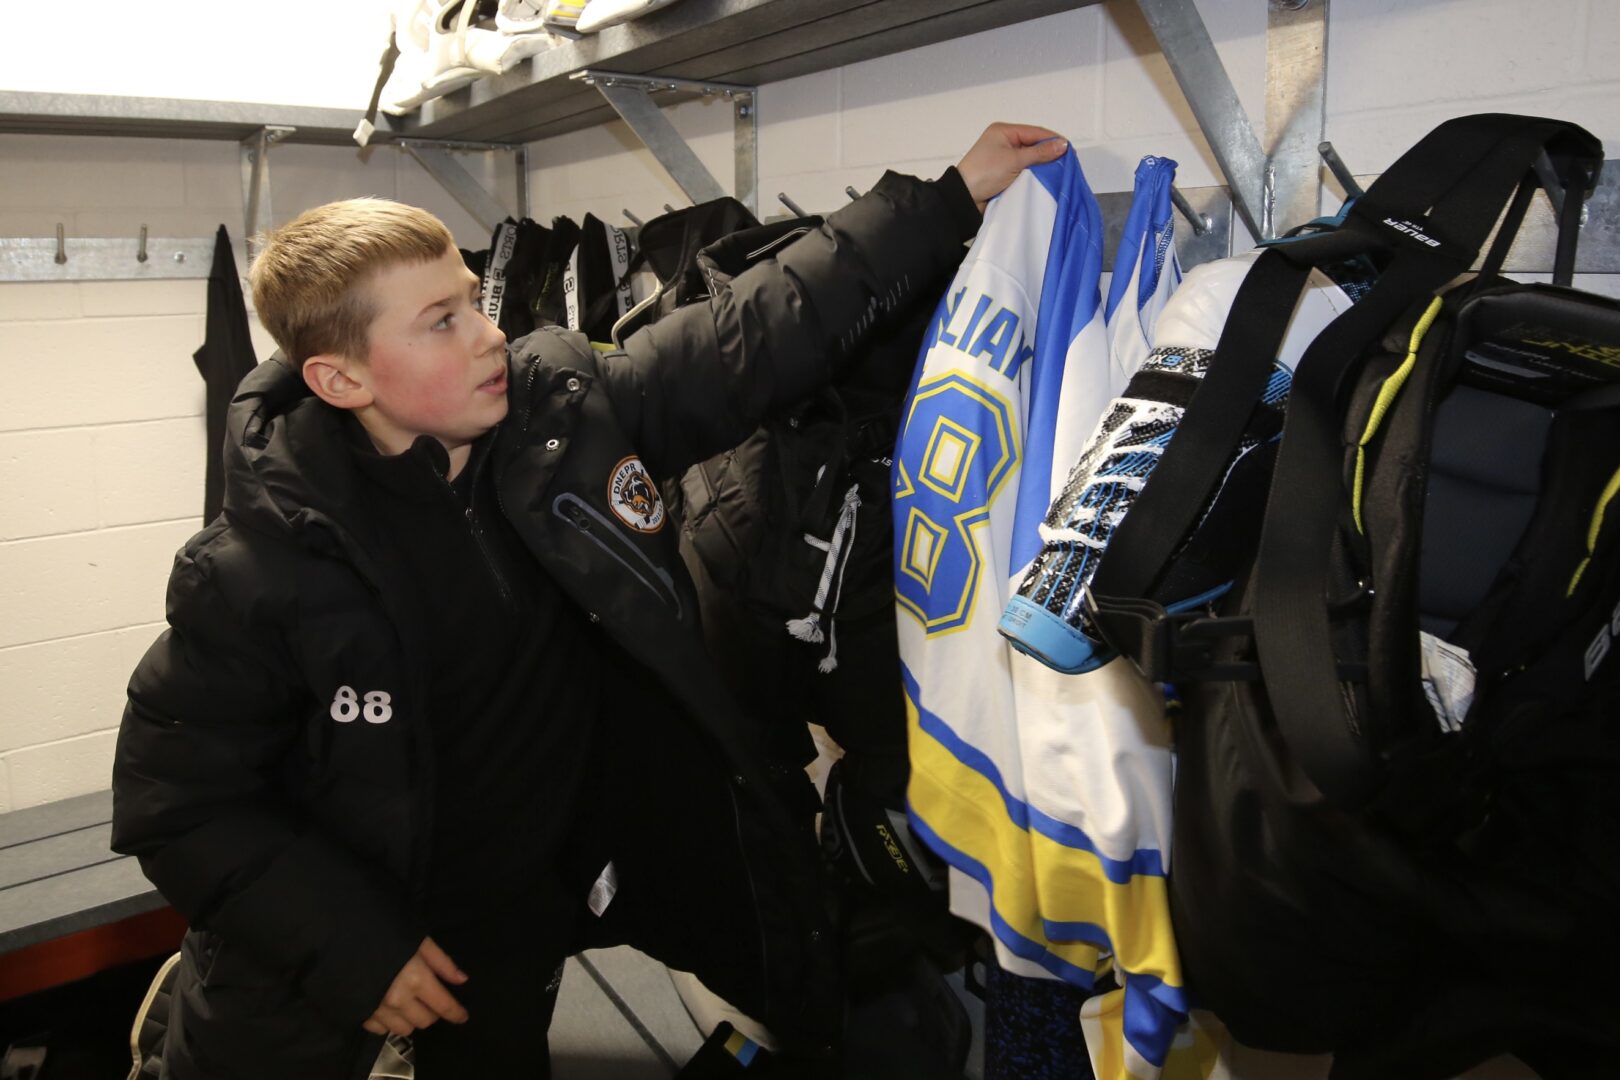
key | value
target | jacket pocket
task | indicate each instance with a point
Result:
(596, 528)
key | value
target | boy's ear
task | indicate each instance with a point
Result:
(332, 378)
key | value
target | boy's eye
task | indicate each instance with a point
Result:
(444, 323)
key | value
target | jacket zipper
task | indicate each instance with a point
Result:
(529, 378)
(753, 892)
(501, 584)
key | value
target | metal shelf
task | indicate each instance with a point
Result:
(747, 42)
(173, 118)
(737, 41)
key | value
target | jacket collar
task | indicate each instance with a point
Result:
(288, 468)
(421, 473)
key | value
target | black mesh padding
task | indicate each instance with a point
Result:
(1484, 482)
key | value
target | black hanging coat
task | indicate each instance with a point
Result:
(225, 355)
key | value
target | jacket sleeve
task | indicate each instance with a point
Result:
(209, 735)
(701, 379)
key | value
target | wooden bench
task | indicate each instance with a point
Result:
(69, 905)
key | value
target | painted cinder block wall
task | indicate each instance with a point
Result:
(1395, 69)
(101, 442)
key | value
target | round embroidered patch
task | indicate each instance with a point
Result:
(634, 497)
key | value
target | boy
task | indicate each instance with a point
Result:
(433, 711)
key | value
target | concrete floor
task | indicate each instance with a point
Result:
(594, 1037)
(647, 1034)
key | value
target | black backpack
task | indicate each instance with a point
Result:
(1372, 856)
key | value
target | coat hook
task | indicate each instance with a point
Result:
(1340, 171)
(1201, 223)
(140, 252)
(61, 245)
(798, 211)
(668, 209)
(849, 189)
(632, 218)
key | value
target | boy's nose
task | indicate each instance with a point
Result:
(494, 337)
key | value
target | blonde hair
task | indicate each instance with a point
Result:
(308, 281)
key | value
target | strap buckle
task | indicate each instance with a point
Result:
(1171, 646)
(1182, 646)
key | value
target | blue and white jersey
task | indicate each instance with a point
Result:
(1035, 787)
(1146, 270)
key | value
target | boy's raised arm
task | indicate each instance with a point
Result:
(701, 379)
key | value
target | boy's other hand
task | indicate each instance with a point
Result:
(1004, 151)
(417, 998)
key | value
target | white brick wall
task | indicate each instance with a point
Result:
(1093, 74)
(102, 441)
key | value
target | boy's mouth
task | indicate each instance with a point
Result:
(496, 383)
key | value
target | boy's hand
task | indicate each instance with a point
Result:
(416, 998)
(1002, 152)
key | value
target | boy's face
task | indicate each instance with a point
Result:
(436, 365)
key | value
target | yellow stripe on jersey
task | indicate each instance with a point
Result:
(1197, 1053)
(1035, 880)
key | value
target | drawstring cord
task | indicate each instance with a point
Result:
(838, 548)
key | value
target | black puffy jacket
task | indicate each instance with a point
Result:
(296, 846)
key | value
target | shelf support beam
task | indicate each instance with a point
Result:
(1187, 47)
(745, 137)
(1296, 83)
(435, 157)
(254, 152)
(1270, 192)
(631, 98)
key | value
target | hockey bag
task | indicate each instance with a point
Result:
(1398, 782)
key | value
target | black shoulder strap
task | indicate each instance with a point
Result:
(1437, 169)
(1210, 429)
(1292, 627)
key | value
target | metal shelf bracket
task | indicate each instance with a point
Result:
(255, 154)
(631, 98)
(435, 155)
(1296, 89)
(1270, 192)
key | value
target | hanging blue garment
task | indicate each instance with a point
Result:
(1046, 794)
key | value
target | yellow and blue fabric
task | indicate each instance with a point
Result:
(1047, 795)
(1202, 1050)
(742, 1048)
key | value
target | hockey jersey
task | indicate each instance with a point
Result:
(1146, 270)
(1033, 786)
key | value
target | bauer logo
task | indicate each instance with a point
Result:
(1406, 228)
(1599, 649)
(634, 496)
